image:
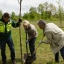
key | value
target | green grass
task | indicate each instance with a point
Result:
(44, 53)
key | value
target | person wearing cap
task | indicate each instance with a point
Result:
(5, 36)
(54, 37)
(32, 35)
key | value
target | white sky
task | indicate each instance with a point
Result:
(13, 5)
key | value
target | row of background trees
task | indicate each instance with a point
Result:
(46, 11)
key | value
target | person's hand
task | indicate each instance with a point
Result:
(19, 20)
(41, 41)
(27, 41)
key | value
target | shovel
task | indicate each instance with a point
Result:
(27, 57)
(38, 45)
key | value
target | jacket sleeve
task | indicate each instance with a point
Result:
(15, 24)
(31, 35)
(49, 38)
(34, 33)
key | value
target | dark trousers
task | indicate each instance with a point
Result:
(32, 47)
(57, 54)
(3, 49)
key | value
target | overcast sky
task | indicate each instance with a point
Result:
(13, 5)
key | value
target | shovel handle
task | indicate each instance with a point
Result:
(38, 45)
(26, 44)
(36, 48)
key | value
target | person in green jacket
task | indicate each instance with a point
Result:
(5, 36)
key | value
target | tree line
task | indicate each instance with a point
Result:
(46, 11)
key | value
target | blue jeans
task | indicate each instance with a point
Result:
(57, 54)
(32, 47)
(3, 49)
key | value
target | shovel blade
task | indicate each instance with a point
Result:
(27, 59)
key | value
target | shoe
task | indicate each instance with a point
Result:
(3, 62)
(33, 58)
(14, 62)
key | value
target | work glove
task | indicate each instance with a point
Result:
(41, 41)
(27, 41)
(19, 20)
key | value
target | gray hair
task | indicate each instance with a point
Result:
(41, 22)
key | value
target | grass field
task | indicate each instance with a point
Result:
(44, 53)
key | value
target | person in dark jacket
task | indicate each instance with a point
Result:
(5, 36)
